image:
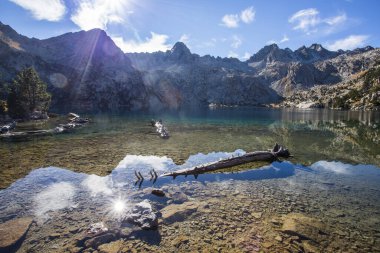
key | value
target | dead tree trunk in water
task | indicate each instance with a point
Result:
(269, 156)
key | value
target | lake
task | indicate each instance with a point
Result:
(326, 198)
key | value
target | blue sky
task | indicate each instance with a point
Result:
(233, 28)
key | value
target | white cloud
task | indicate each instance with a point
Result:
(309, 21)
(157, 42)
(336, 20)
(230, 20)
(248, 15)
(99, 13)
(305, 19)
(246, 56)
(185, 38)
(51, 10)
(348, 43)
(232, 54)
(236, 42)
(284, 39)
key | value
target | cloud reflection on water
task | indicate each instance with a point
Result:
(63, 188)
(97, 185)
(336, 167)
(55, 197)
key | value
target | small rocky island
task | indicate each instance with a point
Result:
(28, 101)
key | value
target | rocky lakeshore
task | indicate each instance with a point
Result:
(95, 204)
(306, 212)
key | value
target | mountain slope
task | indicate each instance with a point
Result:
(360, 92)
(86, 71)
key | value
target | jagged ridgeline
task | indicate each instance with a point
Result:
(87, 71)
(360, 91)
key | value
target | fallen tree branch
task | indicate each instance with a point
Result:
(268, 156)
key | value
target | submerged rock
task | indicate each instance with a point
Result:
(173, 213)
(101, 239)
(8, 127)
(97, 228)
(306, 228)
(13, 232)
(178, 197)
(158, 192)
(142, 215)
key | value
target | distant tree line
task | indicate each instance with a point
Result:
(24, 96)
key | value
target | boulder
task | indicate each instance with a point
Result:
(142, 215)
(13, 232)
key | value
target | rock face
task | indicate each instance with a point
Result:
(359, 92)
(12, 232)
(87, 71)
(84, 70)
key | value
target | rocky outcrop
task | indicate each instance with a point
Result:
(86, 71)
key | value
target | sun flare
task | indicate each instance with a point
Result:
(118, 206)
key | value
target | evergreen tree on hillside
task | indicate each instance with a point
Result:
(3, 98)
(27, 94)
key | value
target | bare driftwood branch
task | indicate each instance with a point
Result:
(269, 156)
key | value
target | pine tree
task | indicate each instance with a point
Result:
(27, 94)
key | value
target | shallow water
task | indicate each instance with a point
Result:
(333, 180)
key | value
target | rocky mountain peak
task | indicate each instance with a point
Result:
(180, 52)
(315, 52)
(81, 48)
(272, 53)
(317, 47)
(362, 50)
(180, 47)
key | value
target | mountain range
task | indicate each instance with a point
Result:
(86, 71)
